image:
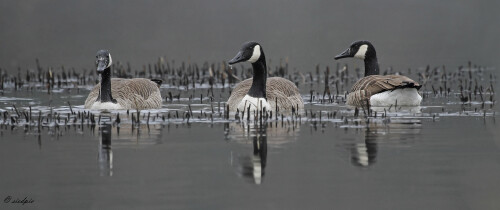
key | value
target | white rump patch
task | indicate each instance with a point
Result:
(254, 104)
(255, 54)
(361, 54)
(105, 106)
(404, 97)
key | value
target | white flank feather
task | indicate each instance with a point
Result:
(106, 106)
(404, 97)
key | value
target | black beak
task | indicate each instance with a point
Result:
(345, 54)
(101, 65)
(238, 58)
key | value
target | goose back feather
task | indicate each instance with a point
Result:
(368, 86)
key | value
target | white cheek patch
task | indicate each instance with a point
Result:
(255, 54)
(361, 54)
(110, 61)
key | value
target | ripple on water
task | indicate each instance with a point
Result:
(14, 99)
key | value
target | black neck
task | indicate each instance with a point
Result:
(258, 89)
(105, 91)
(371, 63)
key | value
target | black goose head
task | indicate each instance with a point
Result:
(103, 61)
(251, 52)
(359, 49)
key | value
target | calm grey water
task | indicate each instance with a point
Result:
(443, 155)
(423, 165)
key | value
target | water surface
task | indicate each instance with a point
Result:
(442, 155)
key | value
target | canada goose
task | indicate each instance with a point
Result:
(376, 89)
(261, 92)
(118, 93)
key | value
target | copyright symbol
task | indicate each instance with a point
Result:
(7, 199)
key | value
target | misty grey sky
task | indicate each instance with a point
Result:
(406, 34)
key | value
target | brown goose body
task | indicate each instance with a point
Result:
(137, 93)
(366, 87)
(278, 89)
(378, 90)
(261, 93)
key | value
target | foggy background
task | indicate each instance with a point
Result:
(406, 34)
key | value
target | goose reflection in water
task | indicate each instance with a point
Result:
(261, 136)
(393, 132)
(123, 136)
(105, 155)
(254, 166)
(365, 153)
